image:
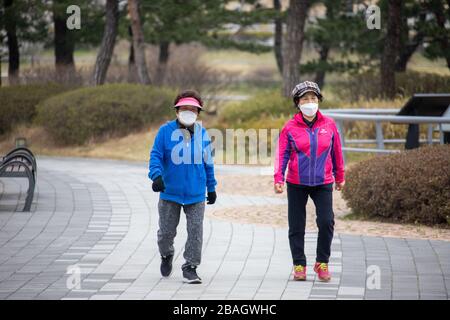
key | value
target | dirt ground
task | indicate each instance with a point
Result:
(276, 215)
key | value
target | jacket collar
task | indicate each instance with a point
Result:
(181, 126)
(298, 117)
(175, 124)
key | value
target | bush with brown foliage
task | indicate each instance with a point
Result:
(367, 85)
(69, 76)
(411, 186)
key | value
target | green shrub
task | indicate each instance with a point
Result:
(18, 103)
(411, 186)
(268, 104)
(264, 110)
(109, 110)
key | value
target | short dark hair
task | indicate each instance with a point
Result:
(297, 99)
(189, 94)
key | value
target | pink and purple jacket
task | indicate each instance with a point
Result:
(314, 154)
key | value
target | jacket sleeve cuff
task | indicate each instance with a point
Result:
(154, 175)
(211, 185)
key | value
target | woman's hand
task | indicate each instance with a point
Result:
(158, 185)
(339, 185)
(212, 196)
(278, 187)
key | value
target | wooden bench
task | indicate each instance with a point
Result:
(20, 163)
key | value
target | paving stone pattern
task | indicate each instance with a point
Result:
(98, 219)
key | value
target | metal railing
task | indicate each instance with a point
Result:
(380, 116)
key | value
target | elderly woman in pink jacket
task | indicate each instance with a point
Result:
(309, 145)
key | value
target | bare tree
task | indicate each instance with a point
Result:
(391, 47)
(138, 42)
(132, 72)
(163, 59)
(407, 46)
(108, 41)
(325, 48)
(13, 44)
(64, 42)
(437, 7)
(1, 58)
(293, 43)
(278, 37)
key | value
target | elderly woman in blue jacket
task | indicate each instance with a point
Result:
(181, 168)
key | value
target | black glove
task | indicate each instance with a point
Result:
(158, 184)
(212, 196)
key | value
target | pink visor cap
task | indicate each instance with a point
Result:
(188, 102)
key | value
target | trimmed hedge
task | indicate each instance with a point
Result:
(18, 103)
(411, 186)
(75, 117)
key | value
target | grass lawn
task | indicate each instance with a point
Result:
(134, 146)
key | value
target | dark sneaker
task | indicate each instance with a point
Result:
(190, 275)
(166, 266)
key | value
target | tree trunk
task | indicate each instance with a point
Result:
(64, 44)
(407, 48)
(406, 54)
(323, 57)
(325, 48)
(278, 37)
(400, 65)
(108, 41)
(163, 58)
(390, 51)
(293, 43)
(138, 42)
(347, 6)
(13, 44)
(132, 72)
(448, 11)
(438, 10)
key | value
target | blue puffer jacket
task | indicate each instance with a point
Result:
(186, 167)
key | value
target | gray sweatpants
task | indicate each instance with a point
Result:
(169, 217)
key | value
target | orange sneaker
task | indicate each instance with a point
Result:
(322, 271)
(299, 273)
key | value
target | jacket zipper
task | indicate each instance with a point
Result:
(190, 141)
(185, 170)
(312, 170)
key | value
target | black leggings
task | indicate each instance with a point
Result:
(322, 196)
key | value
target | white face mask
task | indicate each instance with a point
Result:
(309, 109)
(187, 117)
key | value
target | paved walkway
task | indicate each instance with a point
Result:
(101, 216)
